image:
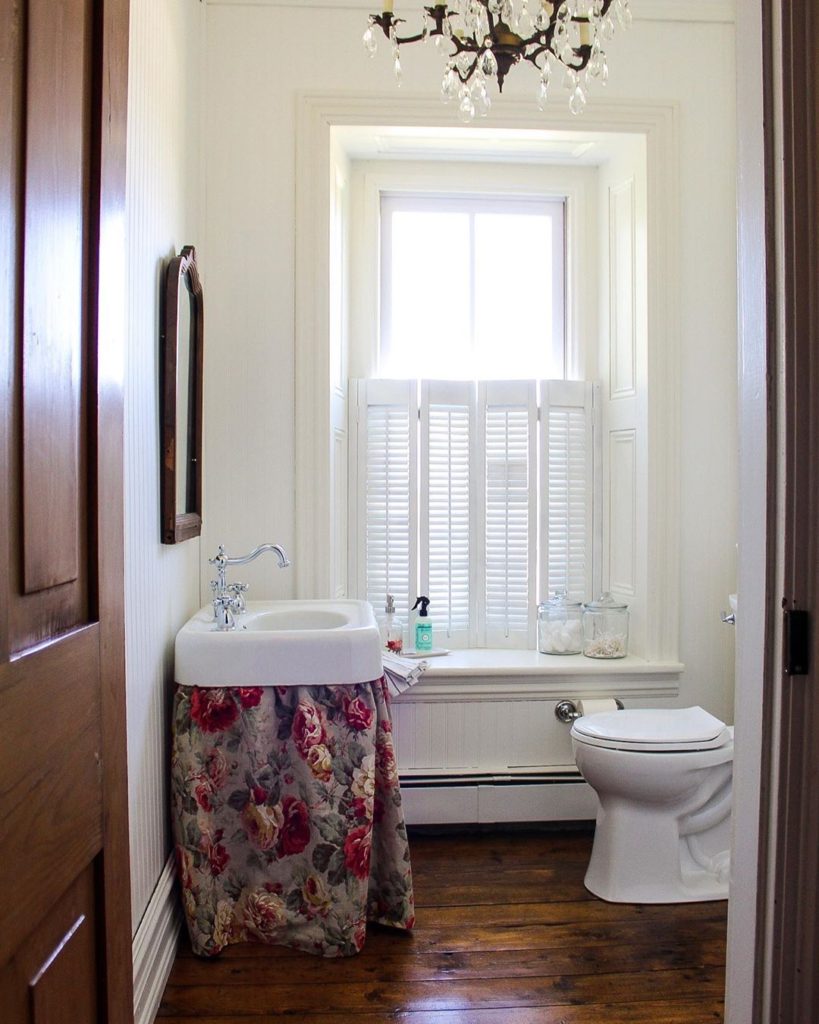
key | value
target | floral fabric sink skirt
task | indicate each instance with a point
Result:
(287, 816)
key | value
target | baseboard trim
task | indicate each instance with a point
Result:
(154, 945)
(473, 803)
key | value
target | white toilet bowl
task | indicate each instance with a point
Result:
(663, 779)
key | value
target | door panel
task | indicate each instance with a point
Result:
(54, 299)
(53, 979)
(51, 796)
(64, 886)
(53, 387)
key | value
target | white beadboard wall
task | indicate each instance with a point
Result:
(161, 582)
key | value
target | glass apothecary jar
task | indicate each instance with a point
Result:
(605, 628)
(559, 626)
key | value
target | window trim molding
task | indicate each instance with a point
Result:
(568, 184)
(657, 122)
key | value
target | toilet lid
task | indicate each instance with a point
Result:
(653, 729)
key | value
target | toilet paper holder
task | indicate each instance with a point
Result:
(566, 710)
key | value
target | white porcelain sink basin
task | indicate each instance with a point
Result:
(295, 619)
(282, 643)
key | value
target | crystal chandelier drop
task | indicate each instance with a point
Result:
(484, 39)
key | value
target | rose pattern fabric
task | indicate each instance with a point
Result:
(287, 816)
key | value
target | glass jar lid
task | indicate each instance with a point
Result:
(605, 603)
(559, 600)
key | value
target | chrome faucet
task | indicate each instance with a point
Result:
(229, 598)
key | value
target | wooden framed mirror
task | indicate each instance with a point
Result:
(183, 331)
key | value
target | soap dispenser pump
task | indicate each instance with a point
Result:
(423, 625)
(393, 628)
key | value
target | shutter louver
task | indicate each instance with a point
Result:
(567, 474)
(447, 440)
(509, 413)
(500, 508)
(389, 446)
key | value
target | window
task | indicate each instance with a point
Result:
(472, 286)
(474, 459)
(478, 494)
(622, 315)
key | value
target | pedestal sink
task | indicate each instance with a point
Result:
(282, 643)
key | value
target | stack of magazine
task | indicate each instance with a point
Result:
(401, 673)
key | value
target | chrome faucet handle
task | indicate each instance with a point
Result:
(238, 590)
(223, 607)
(225, 604)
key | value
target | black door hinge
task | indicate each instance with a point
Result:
(797, 642)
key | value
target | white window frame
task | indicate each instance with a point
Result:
(573, 186)
(569, 187)
(474, 204)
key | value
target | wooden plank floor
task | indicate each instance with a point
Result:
(505, 934)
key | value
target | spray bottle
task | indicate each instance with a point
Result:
(423, 626)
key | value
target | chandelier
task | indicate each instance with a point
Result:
(484, 39)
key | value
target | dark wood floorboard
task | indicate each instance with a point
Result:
(505, 934)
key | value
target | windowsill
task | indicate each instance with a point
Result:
(500, 674)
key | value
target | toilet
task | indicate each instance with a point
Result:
(663, 779)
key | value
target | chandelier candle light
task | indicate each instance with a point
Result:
(483, 39)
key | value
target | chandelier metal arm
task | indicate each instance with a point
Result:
(484, 41)
(543, 38)
(387, 21)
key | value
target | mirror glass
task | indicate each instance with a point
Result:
(182, 347)
(184, 380)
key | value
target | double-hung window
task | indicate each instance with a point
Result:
(473, 458)
(472, 287)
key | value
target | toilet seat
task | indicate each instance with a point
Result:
(652, 730)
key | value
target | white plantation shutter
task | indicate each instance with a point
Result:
(447, 508)
(567, 492)
(508, 427)
(387, 438)
(480, 497)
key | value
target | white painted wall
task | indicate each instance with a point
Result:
(259, 62)
(161, 582)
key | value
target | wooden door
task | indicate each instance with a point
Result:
(65, 949)
(793, 993)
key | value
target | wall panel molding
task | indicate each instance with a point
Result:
(622, 568)
(340, 447)
(622, 292)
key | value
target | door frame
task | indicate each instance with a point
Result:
(757, 514)
(773, 937)
(791, 985)
(114, 877)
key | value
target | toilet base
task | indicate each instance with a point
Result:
(696, 887)
(638, 858)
